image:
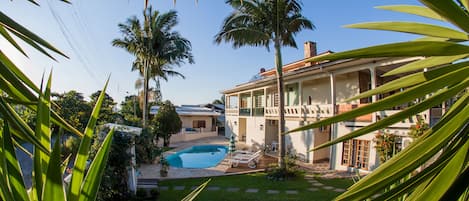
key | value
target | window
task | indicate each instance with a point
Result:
(198, 124)
(355, 153)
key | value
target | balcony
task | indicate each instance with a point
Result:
(231, 112)
(258, 111)
(408, 122)
(304, 111)
(245, 112)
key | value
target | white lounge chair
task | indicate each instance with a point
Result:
(250, 159)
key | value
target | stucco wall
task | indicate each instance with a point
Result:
(271, 131)
(373, 160)
(320, 89)
(301, 142)
(321, 137)
(191, 136)
(230, 127)
(187, 121)
(255, 137)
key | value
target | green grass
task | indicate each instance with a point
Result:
(244, 182)
(338, 183)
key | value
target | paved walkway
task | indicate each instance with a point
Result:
(315, 186)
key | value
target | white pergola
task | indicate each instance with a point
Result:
(133, 131)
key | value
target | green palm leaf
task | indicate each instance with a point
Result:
(413, 28)
(413, 110)
(53, 185)
(93, 177)
(25, 131)
(27, 35)
(12, 171)
(410, 80)
(450, 11)
(43, 133)
(415, 10)
(12, 41)
(446, 50)
(83, 152)
(426, 63)
(403, 49)
(413, 156)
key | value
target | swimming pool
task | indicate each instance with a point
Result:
(201, 156)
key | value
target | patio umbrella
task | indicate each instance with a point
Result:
(232, 147)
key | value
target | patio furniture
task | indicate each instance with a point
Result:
(250, 159)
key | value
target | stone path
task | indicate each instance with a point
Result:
(315, 186)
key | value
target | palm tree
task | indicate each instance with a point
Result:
(443, 77)
(156, 47)
(262, 23)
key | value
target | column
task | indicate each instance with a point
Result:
(333, 126)
(252, 105)
(300, 98)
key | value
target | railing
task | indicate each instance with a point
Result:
(318, 111)
(258, 111)
(231, 112)
(406, 123)
(304, 111)
(245, 112)
(292, 111)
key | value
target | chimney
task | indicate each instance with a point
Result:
(310, 49)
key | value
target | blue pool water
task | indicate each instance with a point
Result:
(202, 156)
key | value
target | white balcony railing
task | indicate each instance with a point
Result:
(231, 112)
(408, 121)
(308, 111)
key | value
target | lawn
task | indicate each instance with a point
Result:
(244, 182)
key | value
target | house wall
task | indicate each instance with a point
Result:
(271, 131)
(299, 142)
(321, 137)
(230, 127)
(373, 160)
(191, 136)
(187, 121)
(255, 137)
(347, 85)
(319, 90)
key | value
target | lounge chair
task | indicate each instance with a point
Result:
(250, 159)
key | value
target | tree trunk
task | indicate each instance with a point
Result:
(166, 141)
(145, 95)
(281, 106)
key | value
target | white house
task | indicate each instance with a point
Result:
(316, 91)
(197, 122)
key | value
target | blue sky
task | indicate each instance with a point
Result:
(91, 25)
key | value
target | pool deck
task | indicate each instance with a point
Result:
(152, 171)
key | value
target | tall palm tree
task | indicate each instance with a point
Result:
(262, 23)
(156, 47)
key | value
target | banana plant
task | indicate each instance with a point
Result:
(445, 51)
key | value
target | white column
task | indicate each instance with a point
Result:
(252, 104)
(333, 126)
(300, 98)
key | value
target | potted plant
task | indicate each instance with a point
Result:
(164, 167)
